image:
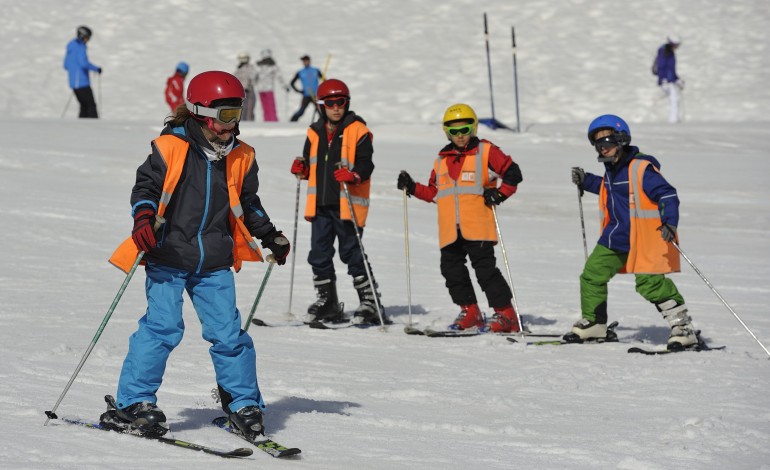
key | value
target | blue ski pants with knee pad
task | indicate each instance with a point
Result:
(162, 327)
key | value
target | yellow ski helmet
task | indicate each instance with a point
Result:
(460, 112)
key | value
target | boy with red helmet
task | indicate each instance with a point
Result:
(338, 137)
(195, 209)
(463, 184)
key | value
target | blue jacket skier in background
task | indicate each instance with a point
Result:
(77, 65)
(668, 80)
(309, 77)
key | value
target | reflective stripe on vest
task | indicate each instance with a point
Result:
(648, 253)
(359, 193)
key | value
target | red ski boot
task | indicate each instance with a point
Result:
(470, 316)
(504, 320)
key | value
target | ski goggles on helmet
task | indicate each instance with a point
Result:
(224, 114)
(459, 130)
(332, 102)
(606, 143)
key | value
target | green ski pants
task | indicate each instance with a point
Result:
(602, 266)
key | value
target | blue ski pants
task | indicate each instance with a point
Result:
(162, 327)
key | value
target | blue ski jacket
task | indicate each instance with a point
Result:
(309, 78)
(666, 65)
(617, 234)
(77, 65)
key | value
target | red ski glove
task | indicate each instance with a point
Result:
(142, 234)
(343, 175)
(299, 168)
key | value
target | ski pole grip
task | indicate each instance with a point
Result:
(159, 220)
(270, 258)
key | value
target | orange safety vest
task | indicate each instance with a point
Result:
(649, 253)
(359, 193)
(461, 202)
(173, 150)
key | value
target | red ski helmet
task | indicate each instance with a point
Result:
(208, 87)
(333, 88)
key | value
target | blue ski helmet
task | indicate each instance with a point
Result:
(609, 121)
(183, 67)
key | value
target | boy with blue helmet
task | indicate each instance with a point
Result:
(640, 217)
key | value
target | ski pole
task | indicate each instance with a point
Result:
(101, 104)
(719, 296)
(582, 221)
(489, 68)
(515, 79)
(271, 263)
(52, 413)
(289, 313)
(408, 274)
(66, 106)
(508, 270)
(363, 252)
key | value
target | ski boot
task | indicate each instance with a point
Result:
(142, 418)
(326, 308)
(587, 331)
(366, 313)
(248, 421)
(683, 334)
(470, 317)
(504, 320)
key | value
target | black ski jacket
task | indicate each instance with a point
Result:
(196, 236)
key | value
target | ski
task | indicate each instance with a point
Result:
(341, 326)
(698, 347)
(470, 332)
(259, 322)
(236, 453)
(611, 337)
(263, 443)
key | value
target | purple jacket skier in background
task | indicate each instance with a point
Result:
(668, 80)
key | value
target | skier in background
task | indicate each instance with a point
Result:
(200, 184)
(175, 86)
(309, 77)
(267, 74)
(77, 65)
(464, 185)
(635, 239)
(668, 80)
(339, 136)
(247, 74)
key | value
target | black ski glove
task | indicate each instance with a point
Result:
(493, 197)
(668, 232)
(406, 181)
(578, 176)
(278, 244)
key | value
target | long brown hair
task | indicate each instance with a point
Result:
(181, 114)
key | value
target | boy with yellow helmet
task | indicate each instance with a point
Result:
(463, 184)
